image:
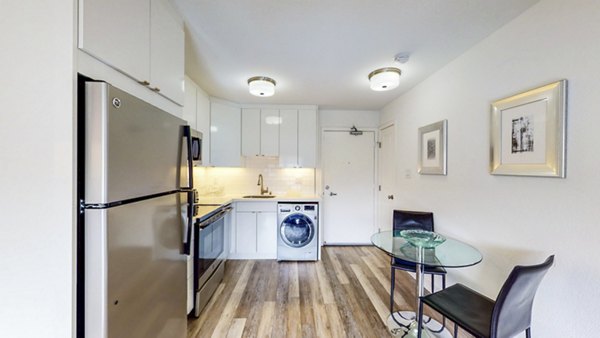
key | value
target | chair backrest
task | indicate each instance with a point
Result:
(512, 311)
(408, 220)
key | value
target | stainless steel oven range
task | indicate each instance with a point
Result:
(209, 255)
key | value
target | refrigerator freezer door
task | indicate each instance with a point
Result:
(135, 276)
(133, 149)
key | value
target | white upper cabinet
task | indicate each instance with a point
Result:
(225, 131)
(260, 132)
(142, 39)
(203, 123)
(288, 138)
(298, 138)
(269, 132)
(166, 51)
(307, 138)
(196, 111)
(189, 103)
(117, 33)
(250, 132)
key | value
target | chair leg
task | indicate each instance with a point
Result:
(443, 287)
(393, 279)
(528, 332)
(455, 330)
(433, 291)
(420, 317)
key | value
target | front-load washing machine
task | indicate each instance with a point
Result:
(298, 231)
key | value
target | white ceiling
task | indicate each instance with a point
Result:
(321, 51)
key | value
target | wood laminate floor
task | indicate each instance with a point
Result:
(346, 294)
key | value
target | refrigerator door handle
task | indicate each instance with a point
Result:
(186, 224)
(187, 244)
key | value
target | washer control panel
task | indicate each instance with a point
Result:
(297, 207)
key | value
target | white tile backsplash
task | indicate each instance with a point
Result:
(284, 182)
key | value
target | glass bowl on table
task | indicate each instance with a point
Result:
(422, 238)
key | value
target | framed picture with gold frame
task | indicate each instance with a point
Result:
(528, 132)
(433, 151)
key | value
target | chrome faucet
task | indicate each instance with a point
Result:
(260, 182)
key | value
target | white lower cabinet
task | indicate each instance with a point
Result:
(245, 233)
(255, 231)
(266, 234)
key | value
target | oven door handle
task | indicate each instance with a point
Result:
(214, 218)
(210, 221)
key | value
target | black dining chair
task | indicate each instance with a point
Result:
(410, 220)
(482, 317)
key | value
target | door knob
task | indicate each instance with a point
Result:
(390, 197)
(332, 194)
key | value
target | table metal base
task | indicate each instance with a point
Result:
(404, 324)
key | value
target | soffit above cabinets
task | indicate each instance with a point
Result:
(321, 52)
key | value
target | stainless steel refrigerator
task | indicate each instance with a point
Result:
(134, 217)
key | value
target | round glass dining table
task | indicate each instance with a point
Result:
(451, 253)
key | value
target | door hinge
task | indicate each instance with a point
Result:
(380, 187)
(379, 145)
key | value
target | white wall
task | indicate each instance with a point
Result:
(516, 220)
(236, 182)
(348, 118)
(37, 204)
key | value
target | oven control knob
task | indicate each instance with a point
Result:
(297, 208)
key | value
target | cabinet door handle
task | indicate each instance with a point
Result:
(390, 197)
(333, 194)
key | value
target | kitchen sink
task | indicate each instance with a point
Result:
(259, 196)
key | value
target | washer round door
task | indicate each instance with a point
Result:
(297, 230)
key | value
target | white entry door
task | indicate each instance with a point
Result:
(386, 175)
(348, 187)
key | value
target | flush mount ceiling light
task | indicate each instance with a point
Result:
(385, 78)
(261, 86)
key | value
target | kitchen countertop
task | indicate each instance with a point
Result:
(219, 200)
(208, 205)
